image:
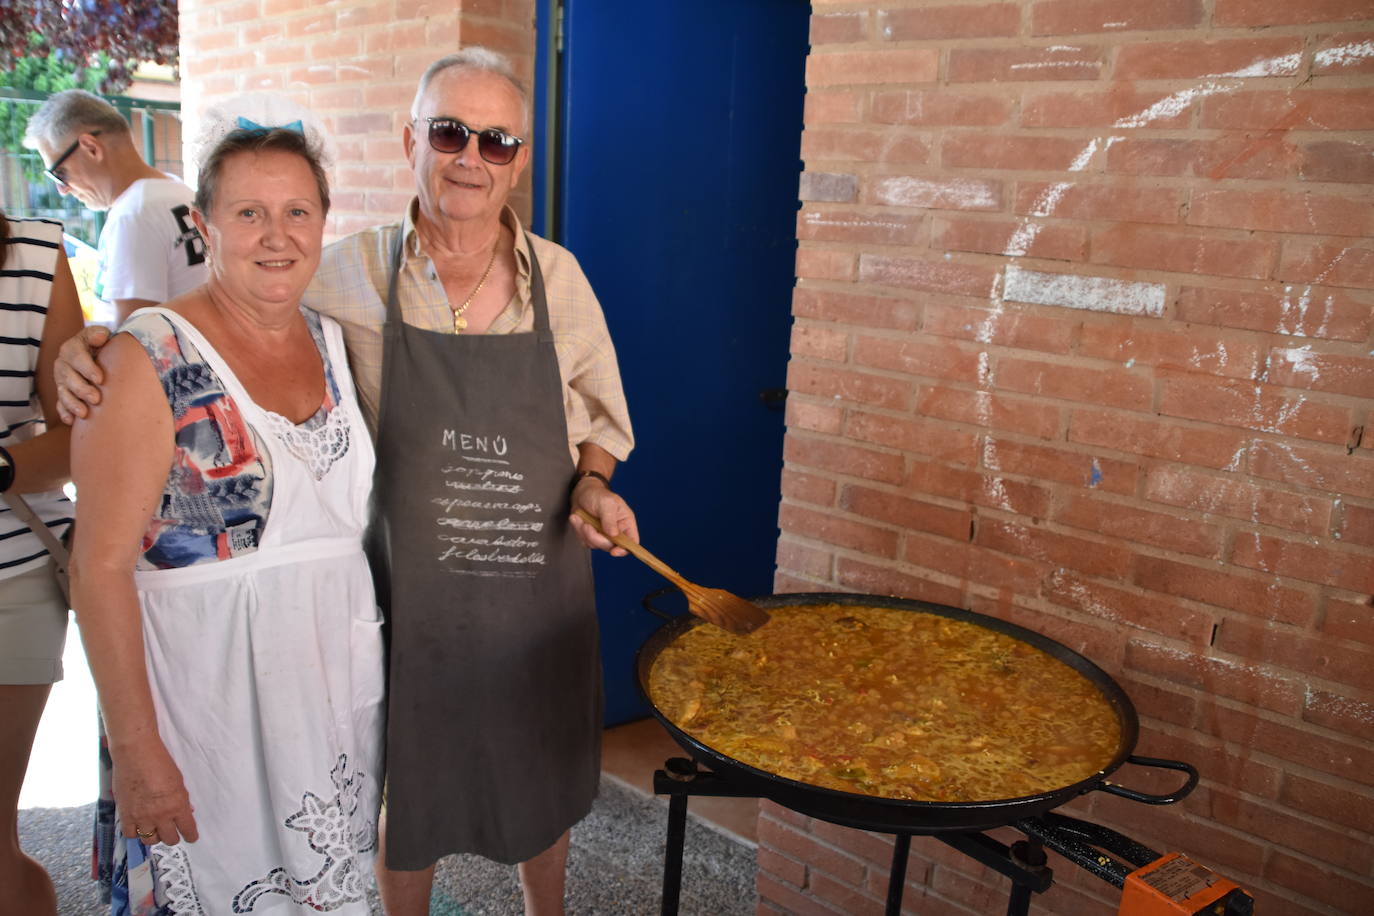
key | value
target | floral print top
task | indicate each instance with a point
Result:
(219, 490)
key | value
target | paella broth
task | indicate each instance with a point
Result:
(887, 702)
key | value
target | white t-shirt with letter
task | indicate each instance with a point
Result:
(149, 248)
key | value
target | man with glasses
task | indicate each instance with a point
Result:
(487, 375)
(149, 249)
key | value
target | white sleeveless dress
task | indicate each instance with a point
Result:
(267, 675)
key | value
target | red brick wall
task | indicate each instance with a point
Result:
(1083, 340)
(356, 64)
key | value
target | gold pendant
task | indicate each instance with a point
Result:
(459, 323)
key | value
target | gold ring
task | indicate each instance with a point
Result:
(144, 836)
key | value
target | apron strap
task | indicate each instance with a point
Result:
(537, 299)
(393, 307)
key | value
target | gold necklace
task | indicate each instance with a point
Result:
(459, 322)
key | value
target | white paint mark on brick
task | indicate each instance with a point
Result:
(1017, 284)
(996, 489)
(820, 219)
(1287, 65)
(994, 485)
(1045, 204)
(1344, 55)
(1259, 417)
(985, 381)
(989, 456)
(1019, 243)
(1303, 361)
(1295, 316)
(963, 193)
(1340, 256)
(1172, 105)
(1094, 294)
(1080, 162)
(1070, 48)
(914, 107)
(1167, 107)
(1291, 313)
(1341, 706)
(1046, 64)
(1079, 592)
(1113, 25)
(1213, 664)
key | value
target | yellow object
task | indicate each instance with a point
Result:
(85, 265)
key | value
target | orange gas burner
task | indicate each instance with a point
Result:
(1175, 885)
(1152, 884)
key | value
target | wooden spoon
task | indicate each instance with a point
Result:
(714, 605)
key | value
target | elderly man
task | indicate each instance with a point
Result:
(149, 249)
(486, 371)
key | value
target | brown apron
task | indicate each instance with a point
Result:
(494, 729)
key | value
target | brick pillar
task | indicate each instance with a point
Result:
(356, 64)
(1083, 341)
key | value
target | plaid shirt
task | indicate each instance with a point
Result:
(351, 285)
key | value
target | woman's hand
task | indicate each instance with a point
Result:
(151, 797)
(77, 375)
(600, 501)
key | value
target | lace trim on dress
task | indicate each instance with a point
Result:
(176, 884)
(335, 832)
(318, 447)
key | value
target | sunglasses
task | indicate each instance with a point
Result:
(449, 135)
(55, 171)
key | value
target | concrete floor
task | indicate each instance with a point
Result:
(615, 865)
(632, 752)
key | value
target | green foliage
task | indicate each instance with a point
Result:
(41, 74)
(50, 45)
(47, 73)
(44, 74)
(76, 32)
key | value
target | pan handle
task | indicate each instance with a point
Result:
(1146, 797)
(653, 596)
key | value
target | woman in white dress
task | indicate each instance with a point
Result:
(219, 578)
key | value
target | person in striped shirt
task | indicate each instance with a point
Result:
(38, 310)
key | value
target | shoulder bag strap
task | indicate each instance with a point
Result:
(20, 507)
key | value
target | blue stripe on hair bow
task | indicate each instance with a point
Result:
(255, 127)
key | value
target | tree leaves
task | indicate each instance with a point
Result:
(75, 33)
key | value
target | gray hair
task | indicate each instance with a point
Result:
(65, 115)
(475, 58)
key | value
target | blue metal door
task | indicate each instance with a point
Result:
(675, 183)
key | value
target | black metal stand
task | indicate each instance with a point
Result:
(679, 779)
(896, 878)
(1023, 862)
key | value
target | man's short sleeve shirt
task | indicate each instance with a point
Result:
(149, 248)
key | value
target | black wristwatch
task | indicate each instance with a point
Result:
(6, 469)
(583, 475)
